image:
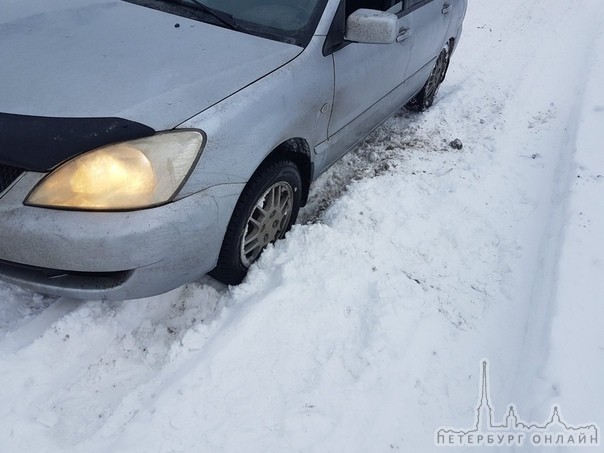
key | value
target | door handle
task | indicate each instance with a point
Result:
(446, 8)
(403, 34)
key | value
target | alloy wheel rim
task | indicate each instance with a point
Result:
(436, 77)
(267, 222)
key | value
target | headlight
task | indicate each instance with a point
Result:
(129, 175)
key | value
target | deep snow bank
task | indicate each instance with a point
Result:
(364, 330)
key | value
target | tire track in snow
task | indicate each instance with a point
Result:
(543, 131)
(543, 390)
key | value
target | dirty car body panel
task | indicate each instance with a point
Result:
(103, 72)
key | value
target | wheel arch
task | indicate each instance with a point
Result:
(298, 151)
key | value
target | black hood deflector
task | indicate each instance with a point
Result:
(38, 143)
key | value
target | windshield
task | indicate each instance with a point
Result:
(291, 21)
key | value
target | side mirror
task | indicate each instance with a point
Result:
(371, 26)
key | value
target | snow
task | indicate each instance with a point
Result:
(364, 330)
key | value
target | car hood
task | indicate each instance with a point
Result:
(102, 58)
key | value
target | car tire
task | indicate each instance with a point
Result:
(265, 211)
(425, 98)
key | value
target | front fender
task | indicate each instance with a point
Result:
(242, 130)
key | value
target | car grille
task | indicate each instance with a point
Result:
(8, 175)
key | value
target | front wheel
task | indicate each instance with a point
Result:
(266, 210)
(425, 98)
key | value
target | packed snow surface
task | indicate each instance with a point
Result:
(364, 330)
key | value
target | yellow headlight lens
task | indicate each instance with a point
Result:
(129, 175)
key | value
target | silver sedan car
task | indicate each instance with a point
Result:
(145, 143)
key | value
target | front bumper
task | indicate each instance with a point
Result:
(111, 255)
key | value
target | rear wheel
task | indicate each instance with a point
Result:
(425, 98)
(266, 210)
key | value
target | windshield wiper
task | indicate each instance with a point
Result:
(224, 18)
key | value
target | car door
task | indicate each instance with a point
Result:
(429, 20)
(369, 81)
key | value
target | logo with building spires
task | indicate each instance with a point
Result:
(555, 432)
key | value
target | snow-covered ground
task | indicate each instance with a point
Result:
(364, 330)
